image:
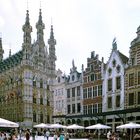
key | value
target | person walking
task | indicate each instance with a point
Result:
(27, 135)
(47, 134)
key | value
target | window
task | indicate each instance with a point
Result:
(109, 102)
(138, 77)
(138, 99)
(58, 79)
(89, 92)
(78, 107)
(95, 108)
(89, 109)
(78, 91)
(68, 109)
(99, 108)
(109, 71)
(118, 82)
(34, 117)
(85, 109)
(34, 99)
(73, 108)
(41, 118)
(34, 83)
(41, 83)
(100, 90)
(92, 77)
(118, 101)
(41, 100)
(131, 99)
(73, 77)
(68, 93)
(131, 79)
(109, 84)
(118, 68)
(85, 93)
(91, 67)
(73, 92)
(95, 91)
(114, 63)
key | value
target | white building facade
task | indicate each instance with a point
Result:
(113, 85)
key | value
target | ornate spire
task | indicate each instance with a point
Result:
(1, 50)
(27, 29)
(114, 44)
(10, 53)
(40, 26)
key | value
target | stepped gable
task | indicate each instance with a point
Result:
(12, 61)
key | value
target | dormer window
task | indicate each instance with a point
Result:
(73, 77)
(114, 63)
(118, 68)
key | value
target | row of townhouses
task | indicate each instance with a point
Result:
(106, 93)
(32, 91)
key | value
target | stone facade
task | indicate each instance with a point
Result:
(26, 78)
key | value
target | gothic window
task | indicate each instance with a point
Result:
(131, 99)
(131, 79)
(34, 117)
(73, 108)
(78, 91)
(91, 67)
(68, 93)
(78, 107)
(118, 82)
(118, 101)
(41, 83)
(68, 108)
(85, 93)
(109, 84)
(139, 78)
(73, 92)
(41, 118)
(114, 63)
(109, 102)
(34, 99)
(89, 92)
(138, 98)
(89, 109)
(41, 100)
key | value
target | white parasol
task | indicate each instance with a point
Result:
(42, 125)
(75, 126)
(7, 123)
(57, 126)
(98, 126)
(130, 126)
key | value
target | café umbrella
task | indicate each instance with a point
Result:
(7, 123)
(42, 125)
(130, 126)
(98, 127)
(75, 126)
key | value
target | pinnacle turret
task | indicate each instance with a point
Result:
(1, 50)
(40, 26)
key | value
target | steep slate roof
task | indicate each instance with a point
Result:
(123, 57)
(11, 61)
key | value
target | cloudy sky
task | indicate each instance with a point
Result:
(80, 26)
